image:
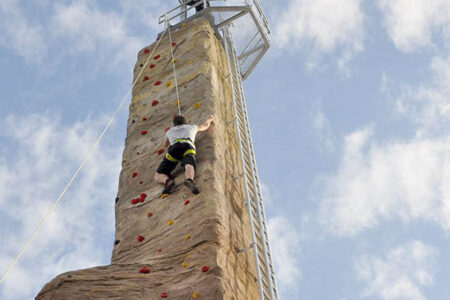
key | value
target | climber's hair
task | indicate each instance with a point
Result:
(179, 120)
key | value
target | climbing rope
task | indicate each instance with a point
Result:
(174, 68)
(86, 158)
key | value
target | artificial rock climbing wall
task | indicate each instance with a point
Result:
(184, 246)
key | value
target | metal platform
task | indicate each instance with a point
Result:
(252, 37)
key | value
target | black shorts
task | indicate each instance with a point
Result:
(177, 152)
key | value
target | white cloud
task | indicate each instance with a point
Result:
(285, 244)
(413, 24)
(428, 105)
(402, 273)
(383, 181)
(326, 24)
(42, 154)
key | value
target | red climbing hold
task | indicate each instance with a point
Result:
(144, 132)
(134, 201)
(144, 270)
(164, 295)
(146, 51)
(187, 202)
(146, 78)
(150, 214)
(174, 116)
(159, 250)
(157, 83)
(160, 151)
(140, 238)
(205, 269)
(144, 119)
(134, 175)
(173, 44)
(167, 129)
(152, 66)
(156, 57)
(155, 102)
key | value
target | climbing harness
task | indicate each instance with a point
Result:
(86, 158)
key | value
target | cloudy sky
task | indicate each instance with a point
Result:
(350, 113)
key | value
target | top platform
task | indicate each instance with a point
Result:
(246, 21)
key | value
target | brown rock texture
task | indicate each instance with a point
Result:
(213, 225)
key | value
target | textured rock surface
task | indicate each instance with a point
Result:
(212, 226)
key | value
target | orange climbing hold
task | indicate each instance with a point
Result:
(150, 214)
(176, 102)
(194, 295)
(205, 269)
(170, 222)
(163, 295)
(134, 174)
(140, 238)
(187, 202)
(144, 132)
(157, 83)
(146, 51)
(156, 57)
(152, 66)
(197, 105)
(146, 78)
(144, 270)
(155, 102)
(160, 151)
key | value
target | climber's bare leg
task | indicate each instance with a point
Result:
(161, 178)
(189, 172)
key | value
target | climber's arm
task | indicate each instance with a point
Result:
(206, 124)
(165, 143)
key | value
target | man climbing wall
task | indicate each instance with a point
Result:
(181, 139)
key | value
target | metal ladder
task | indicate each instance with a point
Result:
(260, 241)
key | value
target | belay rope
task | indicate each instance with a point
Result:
(89, 154)
(174, 68)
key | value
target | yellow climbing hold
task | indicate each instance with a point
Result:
(197, 105)
(191, 61)
(183, 25)
(176, 102)
(185, 264)
(174, 61)
(187, 237)
(168, 83)
(170, 222)
(194, 295)
(163, 196)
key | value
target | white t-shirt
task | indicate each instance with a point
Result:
(184, 131)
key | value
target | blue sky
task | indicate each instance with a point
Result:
(350, 111)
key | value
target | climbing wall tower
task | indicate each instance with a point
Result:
(208, 246)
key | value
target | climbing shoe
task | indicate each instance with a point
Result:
(191, 185)
(170, 183)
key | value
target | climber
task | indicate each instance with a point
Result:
(181, 139)
(193, 2)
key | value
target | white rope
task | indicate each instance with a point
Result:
(174, 69)
(86, 158)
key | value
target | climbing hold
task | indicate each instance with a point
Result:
(117, 199)
(185, 264)
(187, 237)
(116, 242)
(176, 102)
(157, 83)
(141, 65)
(156, 57)
(174, 116)
(164, 196)
(167, 129)
(134, 174)
(174, 43)
(140, 238)
(134, 201)
(187, 202)
(170, 222)
(197, 105)
(146, 78)
(194, 295)
(152, 66)
(138, 153)
(144, 132)
(191, 61)
(146, 51)
(141, 182)
(159, 250)
(155, 102)
(150, 214)
(144, 270)
(205, 269)
(163, 295)
(144, 119)
(143, 195)
(183, 25)
(133, 121)
(168, 83)
(160, 151)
